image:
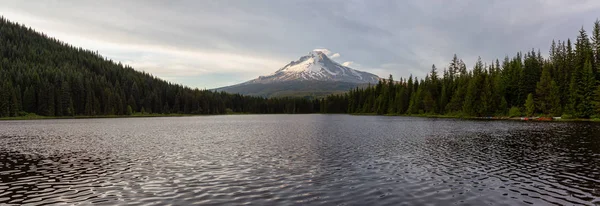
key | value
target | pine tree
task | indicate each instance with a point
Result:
(554, 99)
(434, 89)
(17, 95)
(544, 91)
(597, 101)
(89, 102)
(166, 109)
(512, 73)
(503, 107)
(529, 105)
(29, 100)
(583, 84)
(473, 96)
(568, 71)
(129, 110)
(471, 99)
(58, 99)
(416, 100)
(428, 102)
(444, 97)
(43, 99)
(67, 99)
(409, 93)
(14, 103)
(177, 105)
(402, 99)
(596, 49)
(583, 52)
(586, 107)
(530, 74)
(487, 102)
(131, 102)
(51, 101)
(4, 100)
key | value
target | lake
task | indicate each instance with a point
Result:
(299, 160)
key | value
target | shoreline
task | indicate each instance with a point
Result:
(39, 117)
(492, 118)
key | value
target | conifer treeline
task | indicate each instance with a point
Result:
(565, 83)
(45, 76)
(48, 77)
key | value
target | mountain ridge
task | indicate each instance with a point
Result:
(317, 66)
(314, 72)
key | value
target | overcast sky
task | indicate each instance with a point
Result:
(209, 44)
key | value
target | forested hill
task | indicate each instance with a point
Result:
(564, 83)
(45, 76)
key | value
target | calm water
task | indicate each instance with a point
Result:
(298, 160)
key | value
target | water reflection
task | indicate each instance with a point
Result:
(298, 159)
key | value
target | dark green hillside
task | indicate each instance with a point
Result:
(45, 76)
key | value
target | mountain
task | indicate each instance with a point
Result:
(312, 75)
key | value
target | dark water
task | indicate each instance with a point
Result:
(298, 160)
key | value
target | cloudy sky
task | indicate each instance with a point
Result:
(209, 44)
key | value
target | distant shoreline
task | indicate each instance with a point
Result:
(38, 117)
(138, 115)
(482, 118)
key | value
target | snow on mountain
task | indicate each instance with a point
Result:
(312, 75)
(316, 66)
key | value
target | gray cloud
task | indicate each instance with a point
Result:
(214, 43)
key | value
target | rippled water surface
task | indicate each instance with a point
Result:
(298, 160)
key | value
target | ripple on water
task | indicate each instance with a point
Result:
(298, 160)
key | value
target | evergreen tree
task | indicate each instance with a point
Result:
(583, 85)
(29, 100)
(428, 102)
(487, 107)
(4, 100)
(529, 105)
(543, 92)
(597, 100)
(473, 96)
(503, 107)
(530, 74)
(585, 108)
(14, 102)
(554, 99)
(66, 102)
(596, 48)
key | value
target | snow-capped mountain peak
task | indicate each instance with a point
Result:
(316, 66)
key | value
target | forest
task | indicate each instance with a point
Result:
(527, 84)
(44, 76)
